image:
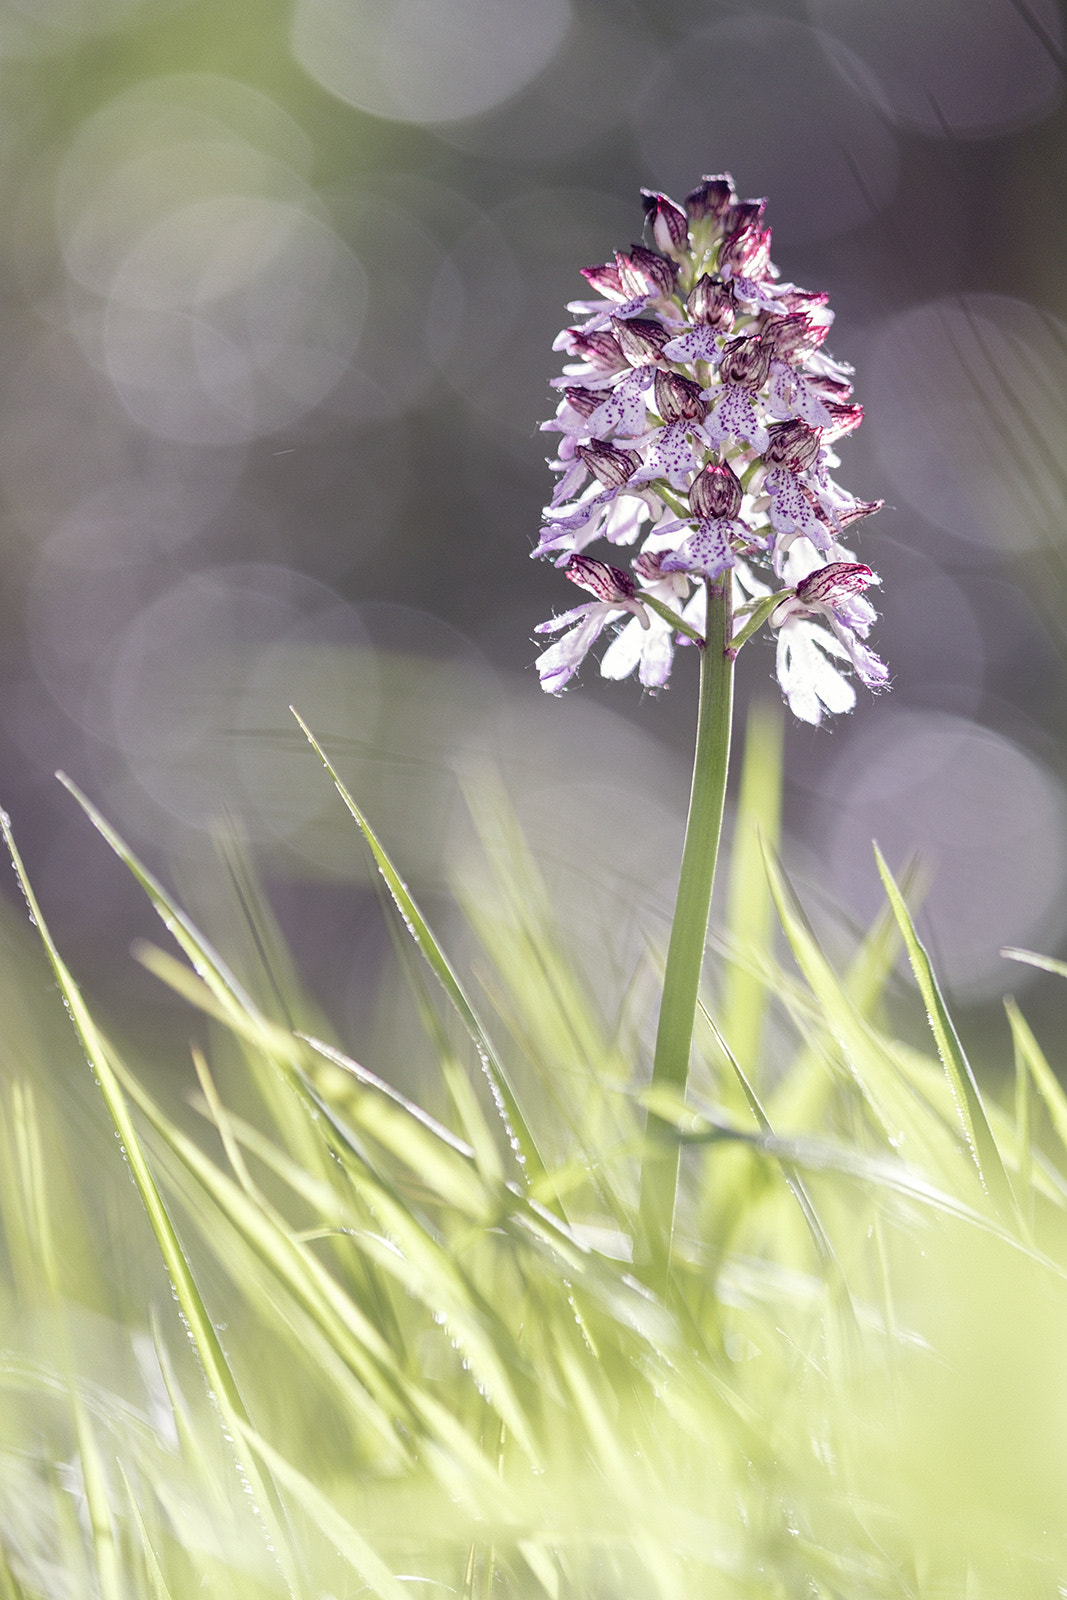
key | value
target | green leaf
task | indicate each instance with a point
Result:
(1032, 959)
(106, 1066)
(519, 1134)
(975, 1123)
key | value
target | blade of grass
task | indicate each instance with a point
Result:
(1032, 959)
(975, 1123)
(337, 1530)
(819, 1237)
(220, 1379)
(519, 1134)
(34, 1184)
(1031, 1053)
(205, 961)
(1023, 1127)
(156, 1581)
(905, 1118)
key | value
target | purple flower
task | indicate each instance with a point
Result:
(615, 594)
(808, 677)
(697, 415)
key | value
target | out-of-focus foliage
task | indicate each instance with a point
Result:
(279, 284)
(423, 1354)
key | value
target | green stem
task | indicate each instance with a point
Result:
(685, 953)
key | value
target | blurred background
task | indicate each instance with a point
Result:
(280, 281)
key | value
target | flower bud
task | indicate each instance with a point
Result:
(716, 492)
(670, 228)
(846, 419)
(600, 349)
(609, 465)
(827, 387)
(743, 214)
(647, 271)
(858, 509)
(793, 444)
(746, 361)
(747, 252)
(609, 584)
(828, 585)
(794, 334)
(584, 401)
(711, 303)
(605, 278)
(640, 339)
(647, 566)
(712, 198)
(678, 398)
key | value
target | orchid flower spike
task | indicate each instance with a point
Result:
(697, 416)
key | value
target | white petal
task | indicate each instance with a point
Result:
(809, 681)
(624, 651)
(657, 658)
(558, 664)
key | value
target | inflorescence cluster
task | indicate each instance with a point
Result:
(698, 416)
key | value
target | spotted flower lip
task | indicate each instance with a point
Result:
(696, 414)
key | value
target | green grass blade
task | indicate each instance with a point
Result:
(1034, 1058)
(154, 1572)
(1032, 959)
(1024, 1132)
(975, 1123)
(819, 1237)
(905, 1118)
(211, 968)
(519, 1134)
(221, 1382)
(337, 1530)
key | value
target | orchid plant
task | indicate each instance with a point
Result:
(699, 412)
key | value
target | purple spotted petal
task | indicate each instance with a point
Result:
(707, 551)
(700, 344)
(671, 456)
(792, 396)
(625, 410)
(734, 415)
(791, 511)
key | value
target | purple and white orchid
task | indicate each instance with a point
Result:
(698, 413)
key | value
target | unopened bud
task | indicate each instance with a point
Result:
(584, 401)
(746, 361)
(609, 584)
(640, 339)
(827, 585)
(716, 492)
(605, 278)
(711, 303)
(743, 214)
(678, 398)
(601, 349)
(647, 566)
(609, 465)
(747, 252)
(712, 197)
(793, 444)
(670, 228)
(648, 271)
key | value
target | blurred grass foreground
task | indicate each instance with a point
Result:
(334, 1339)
